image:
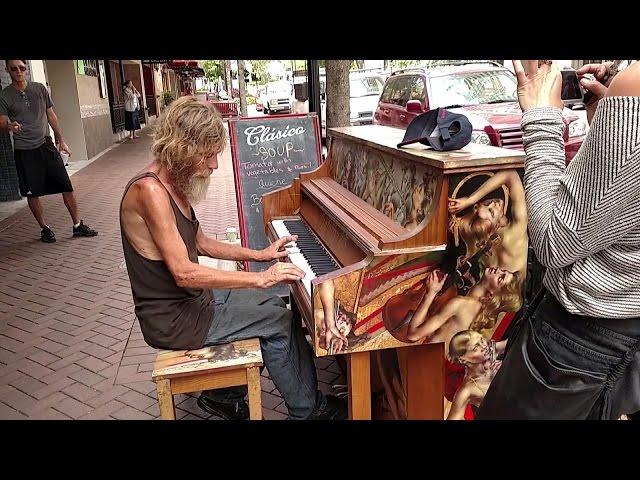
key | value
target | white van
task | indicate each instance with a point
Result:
(364, 93)
(278, 97)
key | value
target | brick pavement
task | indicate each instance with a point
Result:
(70, 346)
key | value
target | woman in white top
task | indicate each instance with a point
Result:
(132, 109)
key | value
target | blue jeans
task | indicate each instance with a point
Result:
(249, 313)
(567, 367)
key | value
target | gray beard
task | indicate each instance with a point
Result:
(197, 190)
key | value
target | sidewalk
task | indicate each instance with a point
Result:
(70, 346)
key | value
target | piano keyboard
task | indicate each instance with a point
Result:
(307, 253)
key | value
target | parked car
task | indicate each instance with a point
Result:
(485, 92)
(364, 93)
(278, 97)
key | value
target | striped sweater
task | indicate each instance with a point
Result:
(584, 220)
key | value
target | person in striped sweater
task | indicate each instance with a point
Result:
(577, 355)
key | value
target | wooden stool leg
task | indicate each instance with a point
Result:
(253, 385)
(359, 380)
(165, 400)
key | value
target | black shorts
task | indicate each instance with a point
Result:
(41, 171)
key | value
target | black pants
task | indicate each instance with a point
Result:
(41, 171)
(565, 366)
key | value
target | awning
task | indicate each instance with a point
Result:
(187, 68)
(179, 64)
(190, 72)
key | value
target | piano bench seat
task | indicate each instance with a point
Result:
(218, 366)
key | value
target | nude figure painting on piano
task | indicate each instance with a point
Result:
(405, 194)
(493, 285)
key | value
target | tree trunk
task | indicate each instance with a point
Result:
(227, 78)
(386, 65)
(337, 72)
(242, 88)
(360, 64)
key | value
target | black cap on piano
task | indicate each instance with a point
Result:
(440, 129)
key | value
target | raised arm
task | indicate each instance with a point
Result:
(421, 325)
(511, 179)
(579, 210)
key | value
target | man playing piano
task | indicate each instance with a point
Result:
(183, 305)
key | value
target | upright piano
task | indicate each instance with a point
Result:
(372, 223)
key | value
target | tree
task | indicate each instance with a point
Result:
(259, 70)
(213, 69)
(337, 72)
(227, 78)
(242, 88)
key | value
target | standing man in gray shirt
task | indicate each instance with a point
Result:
(26, 110)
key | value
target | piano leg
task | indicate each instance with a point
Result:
(425, 381)
(359, 380)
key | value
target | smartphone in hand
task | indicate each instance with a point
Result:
(572, 93)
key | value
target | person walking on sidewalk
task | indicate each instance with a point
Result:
(174, 296)
(131, 109)
(26, 110)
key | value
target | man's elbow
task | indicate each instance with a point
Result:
(182, 280)
(183, 275)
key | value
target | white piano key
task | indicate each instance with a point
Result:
(299, 261)
(281, 229)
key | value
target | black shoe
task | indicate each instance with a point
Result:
(83, 230)
(47, 235)
(227, 411)
(334, 409)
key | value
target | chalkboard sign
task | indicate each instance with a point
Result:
(268, 154)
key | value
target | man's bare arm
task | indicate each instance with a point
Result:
(6, 124)
(53, 121)
(155, 209)
(215, 249)
(225, 251)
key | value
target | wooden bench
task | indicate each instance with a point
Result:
(219, 366)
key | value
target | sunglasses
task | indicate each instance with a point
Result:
(22, 68)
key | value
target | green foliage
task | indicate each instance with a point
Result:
(259, 70)
(213, 69)
(168, 97)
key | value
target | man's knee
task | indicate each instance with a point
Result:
(281, 321)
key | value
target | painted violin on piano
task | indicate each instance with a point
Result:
(399, 309)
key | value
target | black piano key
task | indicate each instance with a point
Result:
(311, 248)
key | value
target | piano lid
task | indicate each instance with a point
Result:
(473, 155)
